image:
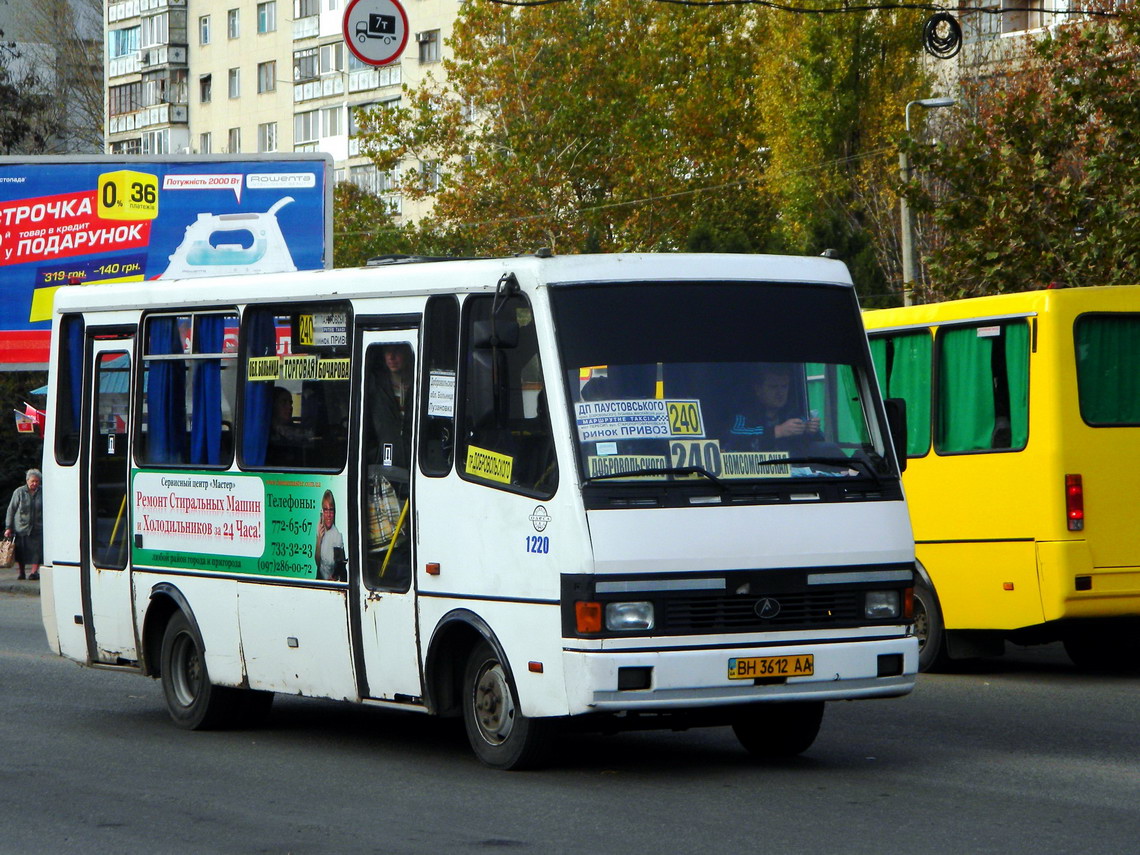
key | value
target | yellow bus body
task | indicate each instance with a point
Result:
(991, 527)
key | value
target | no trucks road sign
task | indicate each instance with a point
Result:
(376, 30)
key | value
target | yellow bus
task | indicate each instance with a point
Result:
(1023, 442)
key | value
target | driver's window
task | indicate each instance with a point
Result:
(507, 441)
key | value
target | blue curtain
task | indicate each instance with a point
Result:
(258, 398)
(206, 425)
(166, 394)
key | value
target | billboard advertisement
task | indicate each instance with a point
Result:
(87, 220)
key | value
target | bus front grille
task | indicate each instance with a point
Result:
(752, 613)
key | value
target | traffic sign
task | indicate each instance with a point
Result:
(376, 30)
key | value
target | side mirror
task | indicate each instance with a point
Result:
(490, 334)
(896, 423)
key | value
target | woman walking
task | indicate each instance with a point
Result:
(25, 520)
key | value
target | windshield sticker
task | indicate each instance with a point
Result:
(441, 394)
(490, 465)
(297, 367)
(623, 464)
(606, 448)
(753, 464)
(707, 455)
(638, 419)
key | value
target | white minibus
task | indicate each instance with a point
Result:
(624, 491)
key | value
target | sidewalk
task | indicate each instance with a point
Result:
(9, 584)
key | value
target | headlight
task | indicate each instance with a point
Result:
(628, 617)
(881, 604)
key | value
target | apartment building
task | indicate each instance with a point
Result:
(258, 76)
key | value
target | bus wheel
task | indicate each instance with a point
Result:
(778, 731)
(501, 736)
(928, 627)
(192, 701)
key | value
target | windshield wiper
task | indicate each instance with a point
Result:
(667, 470)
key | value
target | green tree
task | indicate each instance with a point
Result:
(1040, 185)
(363, 227)
(607, 125)
(832, 121)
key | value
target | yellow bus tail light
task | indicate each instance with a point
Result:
(1075, 502)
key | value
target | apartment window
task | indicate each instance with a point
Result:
(205, 88)
(267, 17)
(124, 99)
(332, 57)
(267, 76)
(332, 121)
(267, 136)
(204, 30)
(155, 31)
(122, 42)
(355, 111)
(1022, 15)
(156, 142)
(235, 82)
(305, 64)
(429, 45)
(306, 8)
(205, 143)
(429, 175)
(133, 146)
(234, 140)
(233, 23)
(306, 127)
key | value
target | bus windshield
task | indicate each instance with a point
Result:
(737, 382)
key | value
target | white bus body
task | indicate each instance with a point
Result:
(548, 510)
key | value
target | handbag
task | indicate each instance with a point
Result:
(7, 552)
(383, 510)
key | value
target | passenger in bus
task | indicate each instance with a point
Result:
(287, 439)
(328, 539)
(390, 416)
(771, 419)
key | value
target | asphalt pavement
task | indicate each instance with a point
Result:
(9, 584)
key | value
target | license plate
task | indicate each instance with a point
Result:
(754, 667)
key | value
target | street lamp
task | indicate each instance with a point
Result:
(909, 272)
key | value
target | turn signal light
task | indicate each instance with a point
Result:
(588, 617)
(1075, 502)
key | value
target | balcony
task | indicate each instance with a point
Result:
(306, 28)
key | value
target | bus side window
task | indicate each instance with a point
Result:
(295, 376)
(903, 363)
(440, 355)
(983, 399)
(506, 421)
(69, 392)
(188, 390)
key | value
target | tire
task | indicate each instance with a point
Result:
(192, 701)
(500, 735)
(778, 731)
(929, 628)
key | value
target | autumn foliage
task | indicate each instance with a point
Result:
(1038, 184)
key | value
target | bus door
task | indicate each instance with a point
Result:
(105, 543)
(383, 584)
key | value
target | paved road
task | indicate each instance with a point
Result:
(1023, 757)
